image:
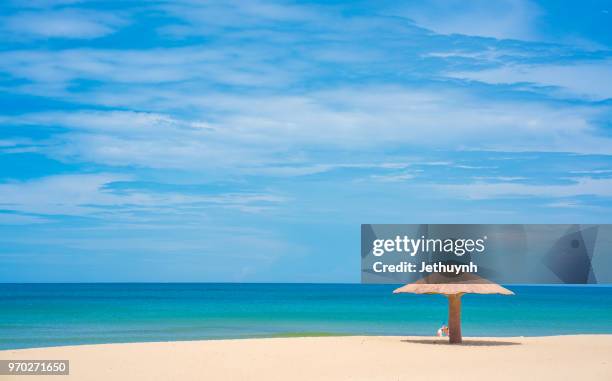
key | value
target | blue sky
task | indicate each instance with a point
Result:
(247, 141)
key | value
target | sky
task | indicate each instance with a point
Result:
(246, 141)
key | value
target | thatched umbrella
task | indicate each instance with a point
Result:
(453, 288)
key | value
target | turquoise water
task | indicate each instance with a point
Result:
(34, 315)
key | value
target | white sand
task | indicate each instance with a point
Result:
(580, 357)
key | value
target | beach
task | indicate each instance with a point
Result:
(572, 357)
(304, 332)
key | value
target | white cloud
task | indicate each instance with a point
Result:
(590, 79)
(245, 132)
(65, 23)
(581, 186)
(565, 204)
(304, 170)
(507, 19)
(62, 194)
(89, 195)
(393, 178)
(205, 64)
(593, 172)
(42, 4)
(237, 13)
(20, 219)
(248, 108)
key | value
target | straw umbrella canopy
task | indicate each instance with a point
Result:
(453, 288)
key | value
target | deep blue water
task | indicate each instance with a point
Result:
(34, 315)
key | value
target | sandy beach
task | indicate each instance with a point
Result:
(584, 357)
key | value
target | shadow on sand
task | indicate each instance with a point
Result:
(466, 342)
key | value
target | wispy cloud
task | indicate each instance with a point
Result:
(590, 79)
(508, 19)
(241, 132)
(226, 66)
(92, 195)
(580, 186)
(63, 23)
(199, 17)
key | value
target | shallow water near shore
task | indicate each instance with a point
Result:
(40, 315)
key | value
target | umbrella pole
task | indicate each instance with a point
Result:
(454, 319)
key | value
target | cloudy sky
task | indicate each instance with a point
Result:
(248, 140)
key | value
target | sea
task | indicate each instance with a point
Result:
(42, 315)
